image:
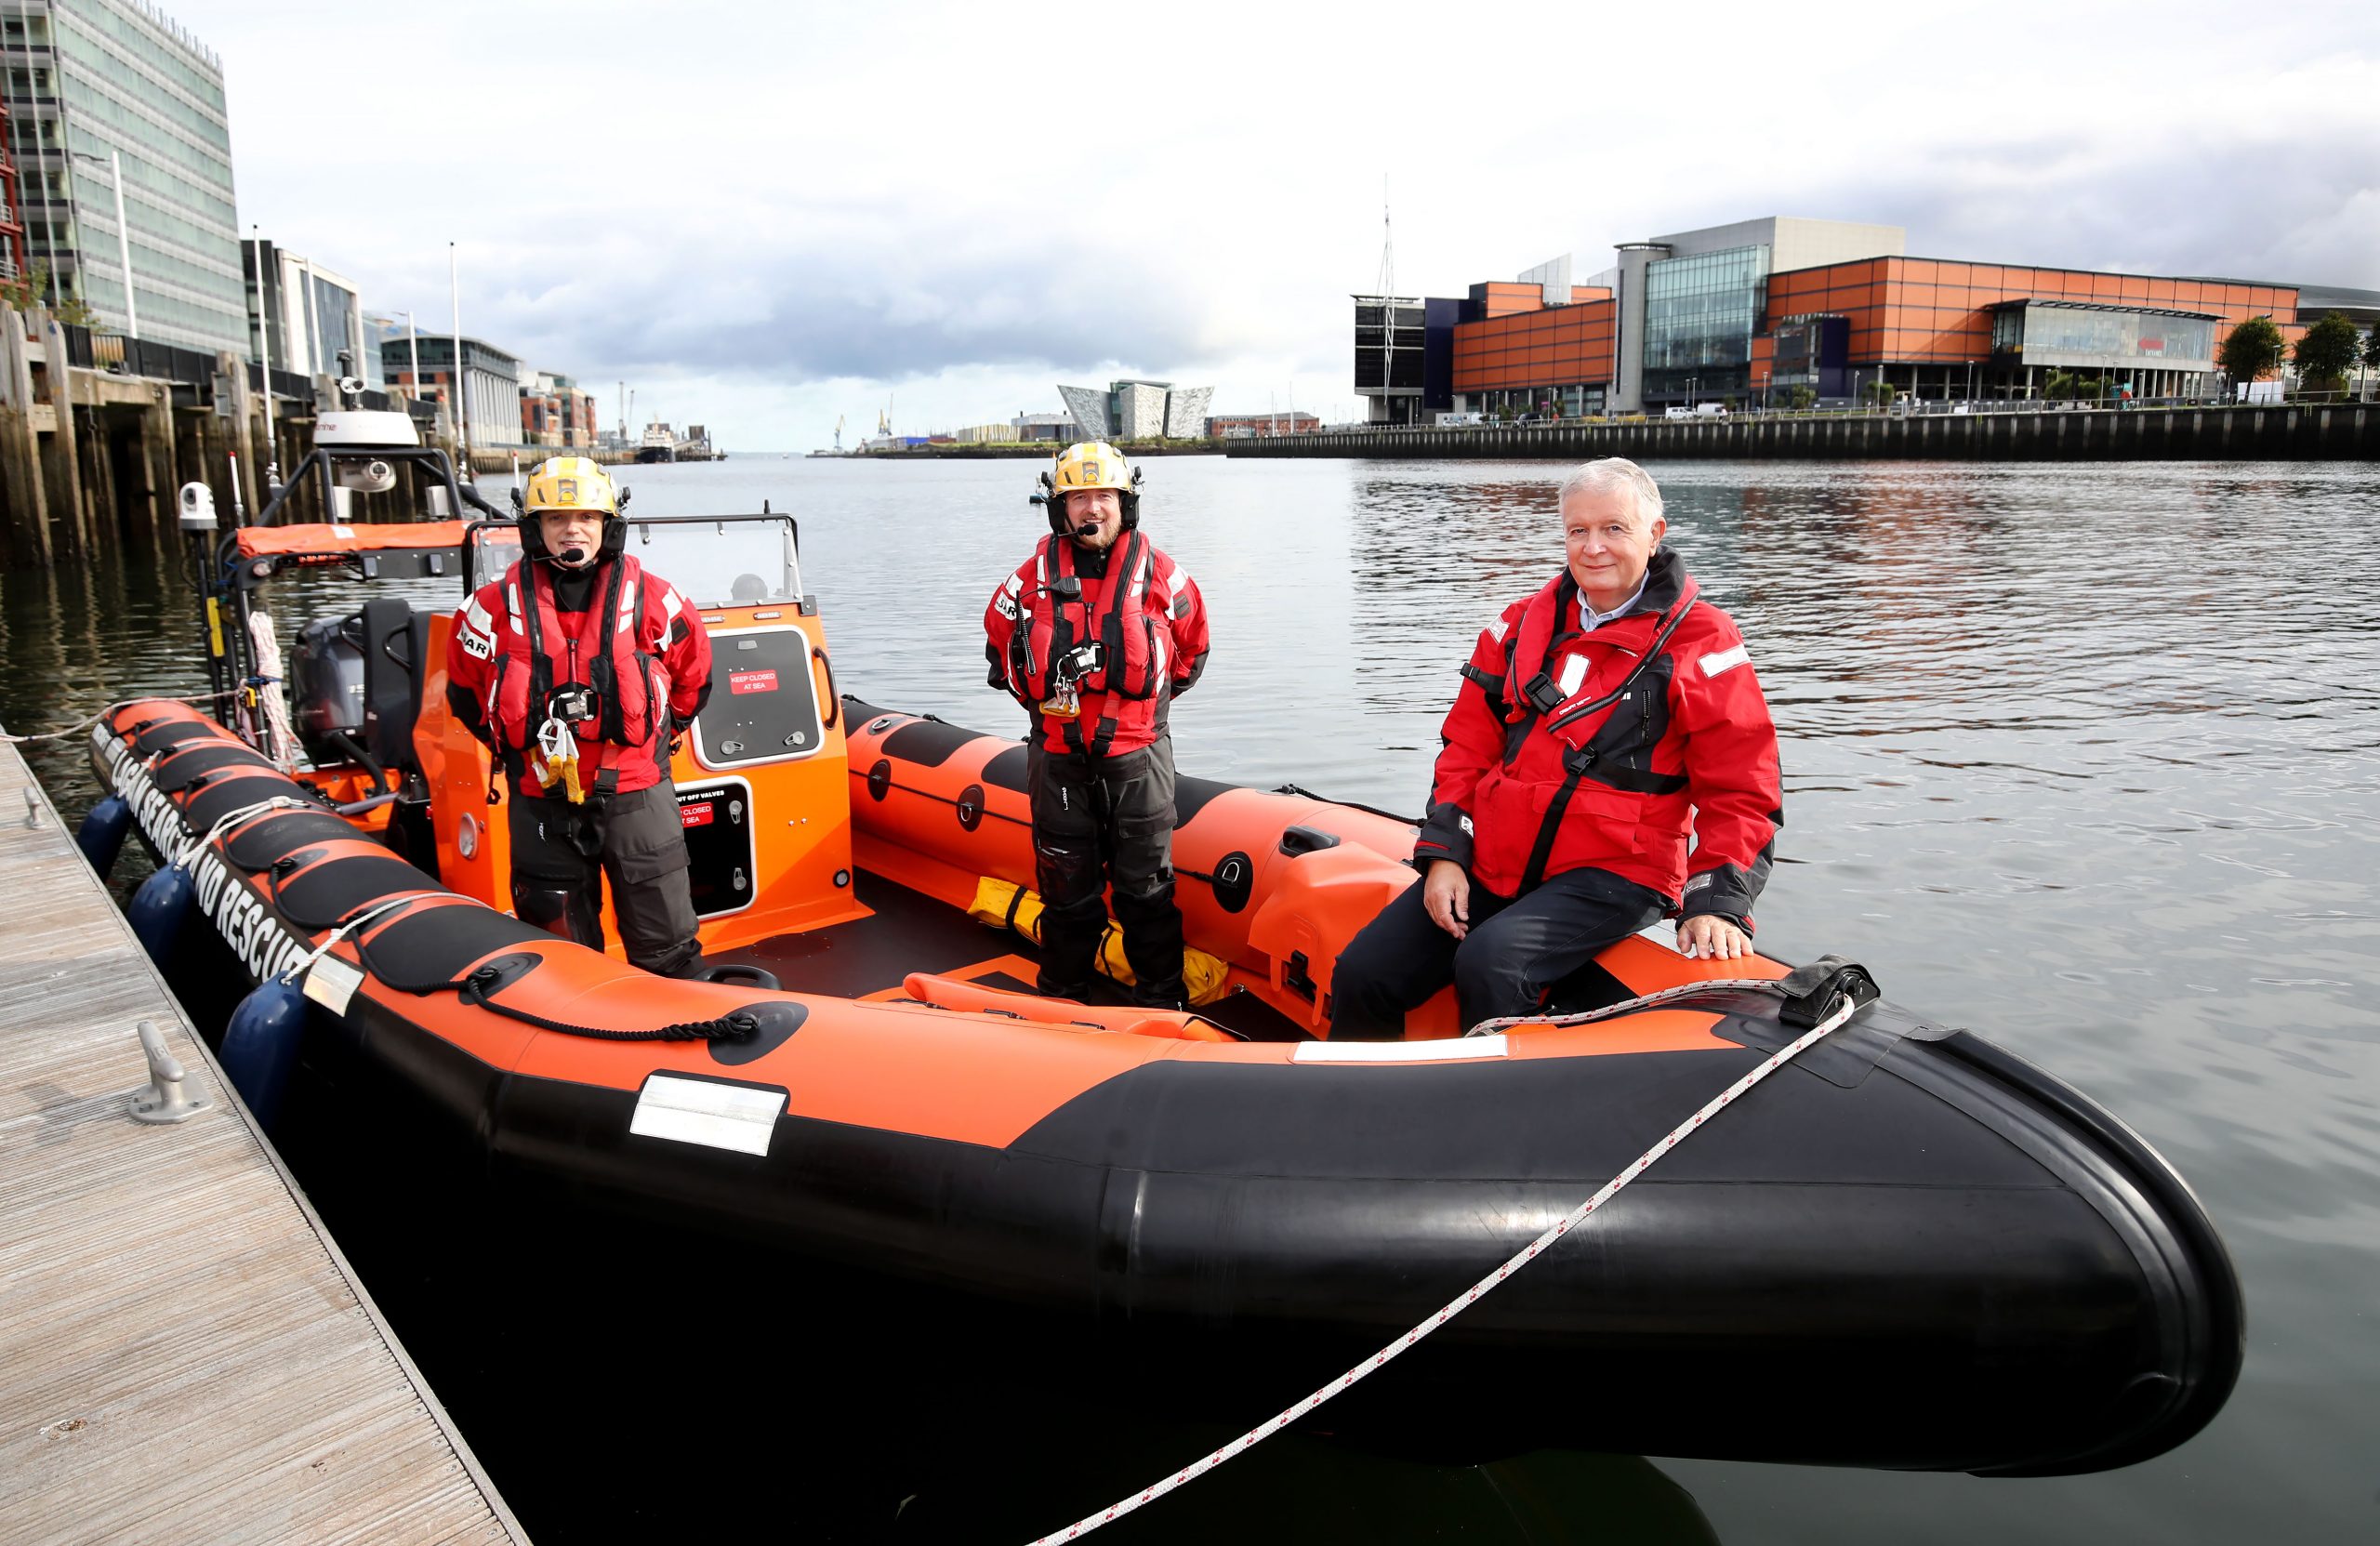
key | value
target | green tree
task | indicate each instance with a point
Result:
(1799, 398)
(1879, 392)
(2253, 349)
(2327, 352)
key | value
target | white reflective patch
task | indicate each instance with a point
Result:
(1496, 630)
(1012, 585)
(1724, 661)
(1005, 604)
(475, 616)
(479, 646)
(669, 601)
(717, 1115)
(1466, 828)
(331, 982)
(1455, 1049)
(1574, 671)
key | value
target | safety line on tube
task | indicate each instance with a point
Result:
(1842, 1012)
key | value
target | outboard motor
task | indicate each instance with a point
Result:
(326, 687)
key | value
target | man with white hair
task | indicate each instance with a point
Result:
(1603, 723)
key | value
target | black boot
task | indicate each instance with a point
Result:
(1070, 937)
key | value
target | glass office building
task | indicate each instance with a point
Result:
(97, 76)
(1700, 315)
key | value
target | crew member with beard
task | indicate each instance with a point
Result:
(1095, 635)
(580, 670)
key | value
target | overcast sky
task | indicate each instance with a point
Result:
(763, 217)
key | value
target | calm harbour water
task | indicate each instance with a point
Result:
(2084, 757)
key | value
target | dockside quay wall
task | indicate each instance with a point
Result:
(2345, 431)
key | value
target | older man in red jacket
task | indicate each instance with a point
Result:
(1603, 722)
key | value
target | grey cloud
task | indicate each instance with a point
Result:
(2305, 211)
(894, 306)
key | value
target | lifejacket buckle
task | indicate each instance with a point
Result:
(1542, 695)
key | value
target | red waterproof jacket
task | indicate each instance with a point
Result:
(639, 645)
(1609, 748)
(1141, 608)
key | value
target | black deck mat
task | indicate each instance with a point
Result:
(219, 798)
(913, 932)
(173, 733)
(928, 743)
(182, 769)
(430, 946)
(1006, 770)
(255, 845)
(326, 893)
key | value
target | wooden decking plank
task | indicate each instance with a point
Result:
(184, 1355)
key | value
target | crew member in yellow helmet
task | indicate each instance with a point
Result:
(578, 669)
(1095, 635)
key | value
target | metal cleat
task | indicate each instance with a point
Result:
(162, 1100)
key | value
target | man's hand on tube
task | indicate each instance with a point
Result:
(1707, 937)
(1446, 896)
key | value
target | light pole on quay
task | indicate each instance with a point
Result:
(123, 237)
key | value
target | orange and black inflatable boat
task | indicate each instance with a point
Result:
(1908, 1248)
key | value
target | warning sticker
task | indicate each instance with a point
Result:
(752, 681)
(695, 813)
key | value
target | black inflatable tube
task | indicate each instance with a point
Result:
(2219, 1299)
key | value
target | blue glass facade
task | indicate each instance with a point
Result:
(1699, 314)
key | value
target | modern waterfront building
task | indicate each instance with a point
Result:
(309, 316)
(96, 79)
(1403, 356)
(1049, 427)
(554, 413)
(1289, 421)
(491, 383)
(1139, 410)
(12, 228)
(1751, 312)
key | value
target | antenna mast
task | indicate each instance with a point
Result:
(1387, 299)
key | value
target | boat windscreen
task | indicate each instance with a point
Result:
(733, 561)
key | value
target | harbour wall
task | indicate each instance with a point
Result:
(2340, 431)
(98, 435)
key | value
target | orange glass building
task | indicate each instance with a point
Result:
(1779, 309)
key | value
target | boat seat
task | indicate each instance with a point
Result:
(396, 641)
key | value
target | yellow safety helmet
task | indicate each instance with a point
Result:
(1087, 465)
(570, 484)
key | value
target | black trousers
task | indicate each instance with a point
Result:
(634, 841)
(1516, 949)
(1094, 827)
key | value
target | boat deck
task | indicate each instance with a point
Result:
(908, 931)
(184, 1353)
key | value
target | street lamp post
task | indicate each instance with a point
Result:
(123, 238)
(413, 348)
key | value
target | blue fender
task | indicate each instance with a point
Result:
(158, 910)
(260, 1046)
(101, 835)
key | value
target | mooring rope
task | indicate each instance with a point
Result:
(77, 728)
(1847, 1006)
